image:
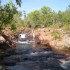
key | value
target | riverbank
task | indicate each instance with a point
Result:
(33, 58)
(57, 39)
(50, 46)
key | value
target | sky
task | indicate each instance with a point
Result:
(31, 5)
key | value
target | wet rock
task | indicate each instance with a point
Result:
(36, 56)
(41, 53)
(59, 56)
(4, 46)
(32, 58)
(11, 60)
(65, 65)
(23, 50)
(2, 39)
(17, 67)
(28, 63)
(9, 50)
(42, 49)
(13, 57)
(53, 63)
(1, 67)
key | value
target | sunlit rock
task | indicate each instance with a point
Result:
(2, 39)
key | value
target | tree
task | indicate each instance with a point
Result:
(40, 17)
(60, 17)
(46, 16)
(45, 10)
(67, 14)
(17, 1)
(6, 14)
(33, 19)
(17, 21)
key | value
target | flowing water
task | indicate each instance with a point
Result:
(27, 57)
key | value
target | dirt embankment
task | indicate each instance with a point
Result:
(6, 38)
(56, 38)
(6, 42)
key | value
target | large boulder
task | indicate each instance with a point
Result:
(2, 39)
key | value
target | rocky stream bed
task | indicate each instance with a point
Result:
(34, 57)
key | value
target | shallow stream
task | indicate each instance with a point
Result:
(34, 57)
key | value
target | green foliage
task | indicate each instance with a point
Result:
(19, 2)
(66, 27)
(13, 27)
(66, 48)
(56, 34)
(33, 19)
(46, 17)
(10, 17)
(45, 10)
(38, 18)
(56, 26)
(17, 20)
(6, 14)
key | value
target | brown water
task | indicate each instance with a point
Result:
(33, 57)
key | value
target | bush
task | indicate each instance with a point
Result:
(56, 26)
(66, 27)
(56, 34)
(66, 49)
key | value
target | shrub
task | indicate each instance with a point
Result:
(66, 27)
(66, 49)
(56, 34)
